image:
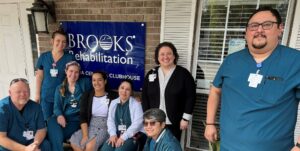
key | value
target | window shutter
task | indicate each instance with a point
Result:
(295, 43)
(178, 18)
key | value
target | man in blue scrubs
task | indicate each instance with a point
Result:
(259, 89)
(22, 124)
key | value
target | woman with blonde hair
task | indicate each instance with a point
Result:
(65, 120)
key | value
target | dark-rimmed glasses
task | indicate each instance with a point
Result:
(151, 123)
(17, 80)
(267, 25)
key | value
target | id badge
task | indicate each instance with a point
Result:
(122, 127)
(28, 135)
(152, 77)
(53, 72)
(254, 79)
(73, 103)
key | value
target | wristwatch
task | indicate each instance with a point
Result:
(298, 145)
(188, 120)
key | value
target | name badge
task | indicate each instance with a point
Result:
(254, 79)
(122, 127)
(73, 103)
(152, 77)
(53, 72)
(28, 135)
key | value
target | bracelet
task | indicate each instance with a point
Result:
(210, 123)
(298, 145)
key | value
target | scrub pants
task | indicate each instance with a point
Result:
(47, 108)
(57, 134)
(129, 145)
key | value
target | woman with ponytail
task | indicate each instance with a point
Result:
(65, 120)
(50, 71)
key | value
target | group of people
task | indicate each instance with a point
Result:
(87, 114)
(258, 89)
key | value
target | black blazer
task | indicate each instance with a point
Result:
(86, 103)
(180, 94)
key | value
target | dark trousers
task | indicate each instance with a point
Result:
(175, 131)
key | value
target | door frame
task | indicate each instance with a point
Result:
(25, 36)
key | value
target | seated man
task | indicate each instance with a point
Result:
(22, 124)
(159, 137)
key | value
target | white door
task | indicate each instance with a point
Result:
(12, 51)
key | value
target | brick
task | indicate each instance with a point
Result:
(134, 4)
(67, 11)
(152, 4)
(129, 10)
(118, 4)
(118, 17)
(137, 18)
(60, 5)
(152, 17)
(103, 17)
(81, 11)
(144, 10)
(153, 30)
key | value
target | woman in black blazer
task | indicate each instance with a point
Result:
(171, 88)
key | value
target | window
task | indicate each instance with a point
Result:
(219, 23)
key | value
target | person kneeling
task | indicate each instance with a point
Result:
(159, 137)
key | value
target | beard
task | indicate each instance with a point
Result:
(259, 44)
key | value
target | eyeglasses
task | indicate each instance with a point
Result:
(151, 123)
(267, 25)
(17, 80)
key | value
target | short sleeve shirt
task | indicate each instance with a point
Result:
(49, 84)
(261, 118)
(15, 123)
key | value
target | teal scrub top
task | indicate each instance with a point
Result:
(69, 105)
(15, 123)
(49, 84)
(261, 118)
(122, 116)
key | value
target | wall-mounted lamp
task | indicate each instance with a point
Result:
(39, 11)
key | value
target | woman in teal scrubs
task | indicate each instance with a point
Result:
(65, 120)
(50, 72)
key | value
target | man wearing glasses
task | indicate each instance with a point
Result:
(159, 137)
(22, 124)
(258, 89)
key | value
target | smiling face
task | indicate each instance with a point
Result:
(98, 82)
(72, 73)
(153, 128)
(125, 91)
(19, 93)
(260, 40)
(59, 42)
(166, 57)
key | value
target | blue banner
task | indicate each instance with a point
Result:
(117, 48)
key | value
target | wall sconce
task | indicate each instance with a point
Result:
(39, 15)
